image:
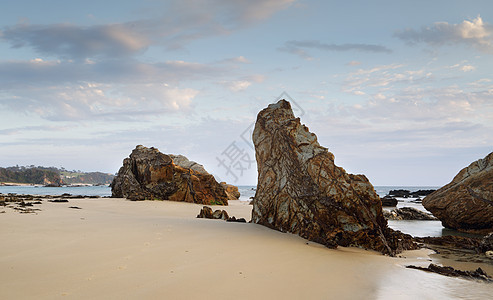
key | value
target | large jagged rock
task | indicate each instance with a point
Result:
(466, 203)
(152, 175)
(300, 189)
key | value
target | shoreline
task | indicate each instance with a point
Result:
(111, 248)
(43, 185)
(19, 184)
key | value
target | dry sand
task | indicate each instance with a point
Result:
(118, 249)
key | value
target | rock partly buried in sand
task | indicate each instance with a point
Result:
(207, 213)
(466, 203)
(449, 271)
(151, 175)
(300, 189)
(231, 191)
(58, 201)
(408, 213)
(451, 242)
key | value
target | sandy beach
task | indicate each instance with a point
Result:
(118, 249)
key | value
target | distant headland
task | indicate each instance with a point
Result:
(51, 176)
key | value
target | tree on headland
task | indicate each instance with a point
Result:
(51, 175)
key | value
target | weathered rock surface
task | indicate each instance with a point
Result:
(407, 213)
(151, 175)
(486, 244)
(466, 203)
(301, 190)
(183, 162)
(231, 191)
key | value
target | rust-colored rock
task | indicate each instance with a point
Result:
(231, 191)
(466, 203)
(151, 175)
(207, 213)
(301, 190)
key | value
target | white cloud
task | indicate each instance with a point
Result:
(251, 11)
(243, 83)
(475, 33)
(25, 74)
(178, 23)
(482, 83)
(236, 86)
(90, 101)
(412, 110)
(240, 59)
(381, 77)
(354, 63)
(463, 66)
(70, 41)
(468, 68)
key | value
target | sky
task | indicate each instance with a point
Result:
(401, 91)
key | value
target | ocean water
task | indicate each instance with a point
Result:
(246, 191)
(415, 228)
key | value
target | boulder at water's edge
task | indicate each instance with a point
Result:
(466, 203)
(148, 174)
(301, 190)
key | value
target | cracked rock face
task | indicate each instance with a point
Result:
(148, 174)
(301, 190)
(466, 203)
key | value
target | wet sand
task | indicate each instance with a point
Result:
(118, 249)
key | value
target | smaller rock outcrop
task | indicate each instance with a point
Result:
(388, 201)
(234, 219)
(408, 194)
(231, 191)
(466, 203)
(148, 174)
(449, 271)
(408, 213)
(486, 244)
(207, 213)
